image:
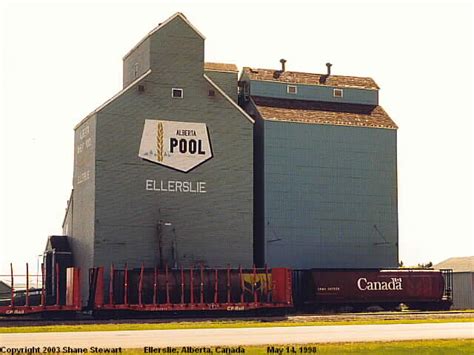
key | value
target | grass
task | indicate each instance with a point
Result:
(214, 324)
(420, 347)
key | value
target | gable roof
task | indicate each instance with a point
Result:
(69, 205)
(221, 67)
(460, 264)
(310, 78)
(121, 92)
(160, 26)
(232, 102)
(317, 112)
(4, 289)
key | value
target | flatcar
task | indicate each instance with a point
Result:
(195, 290)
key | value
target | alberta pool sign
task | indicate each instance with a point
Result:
(177, 145)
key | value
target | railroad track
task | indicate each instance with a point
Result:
(82, 318)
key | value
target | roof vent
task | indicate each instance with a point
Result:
(277, 73)
(328, 65)
(323, 78)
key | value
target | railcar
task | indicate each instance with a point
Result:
(190, 290)
(178, 291)
(366, 289)
(159, 291)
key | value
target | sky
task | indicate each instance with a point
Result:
(61, 60)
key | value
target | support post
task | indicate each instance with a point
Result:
(182, 286)
(216, 288)
(228, 283)
(43, 298)
(242, 299)
(12, 289)
(191, 286)
(111, 285)
(167, 285)
(125, 297)
(254, 284)
(155, 288)
(57, 283)
(27, 301)
(202, 285)
(140, 286)
(267, 284)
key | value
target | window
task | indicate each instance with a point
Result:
(135, 70)
(246, 91)
(337, 93)
(291, 89)
(177, 93)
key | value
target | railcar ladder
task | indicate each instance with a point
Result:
(448, 284)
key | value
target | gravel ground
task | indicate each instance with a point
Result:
(300, 318)
(379, 316)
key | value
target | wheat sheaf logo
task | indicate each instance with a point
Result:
(159, 142)
(178, 145)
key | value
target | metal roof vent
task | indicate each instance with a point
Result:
(323, 78)
(328, 65)
(277, 73)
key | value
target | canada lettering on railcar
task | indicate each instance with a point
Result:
(395, 284)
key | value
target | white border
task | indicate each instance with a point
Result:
(334, 93)
(292, 86)
(177, 97)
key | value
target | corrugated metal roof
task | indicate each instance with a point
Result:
(460, 264)
(310, 78)
(224, 67)
(318, 112)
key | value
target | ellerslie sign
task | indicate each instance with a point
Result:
(177, 145)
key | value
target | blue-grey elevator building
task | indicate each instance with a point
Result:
(325, 168)
(190, 164)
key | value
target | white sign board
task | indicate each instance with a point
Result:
(178, 145)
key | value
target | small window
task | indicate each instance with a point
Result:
(246, 91)
(177, 93)
(135, 70)
(338, 93)
(291, 89)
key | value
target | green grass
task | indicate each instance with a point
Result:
(421, 347)
(213, 324)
